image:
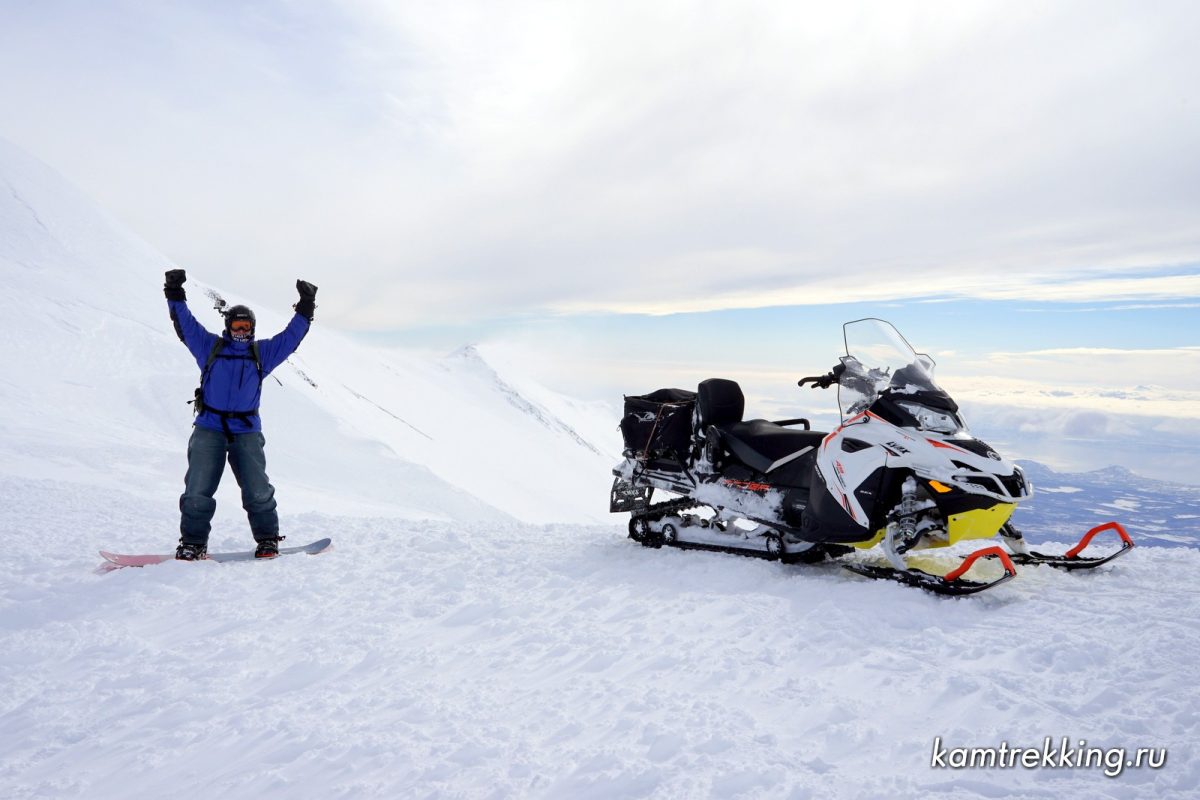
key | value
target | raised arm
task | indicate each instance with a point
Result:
(275, 350)
(198, 340)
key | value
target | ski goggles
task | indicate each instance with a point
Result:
(241, 326)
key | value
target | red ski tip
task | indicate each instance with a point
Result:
(987, 552)
(1126, 541)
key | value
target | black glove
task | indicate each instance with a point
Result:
(308, 300)
(173, 288)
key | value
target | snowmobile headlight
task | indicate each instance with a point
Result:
(930, 420)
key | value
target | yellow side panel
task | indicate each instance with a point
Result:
(874, 540)
(982, 523)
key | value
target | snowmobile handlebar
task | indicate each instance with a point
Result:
(824, 381)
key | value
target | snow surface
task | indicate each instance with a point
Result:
(481, 628)
(435, 659)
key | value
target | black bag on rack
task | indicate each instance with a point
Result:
(659, 424)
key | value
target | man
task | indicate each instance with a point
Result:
(232, 368)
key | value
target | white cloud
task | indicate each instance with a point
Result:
(993, 283)
(443, 161)
(1093, 375)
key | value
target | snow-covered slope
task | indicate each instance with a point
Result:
(94, 384)
(447, 647)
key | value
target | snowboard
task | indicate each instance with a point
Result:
(118, 560)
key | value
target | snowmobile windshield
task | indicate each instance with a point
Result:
(880, 363)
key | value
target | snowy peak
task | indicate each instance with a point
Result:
(469, 360)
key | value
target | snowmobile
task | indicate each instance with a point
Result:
(901, 473)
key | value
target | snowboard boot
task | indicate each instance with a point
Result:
(267, 548)
(191, 552)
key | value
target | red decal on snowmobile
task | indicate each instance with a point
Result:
(855, 420)
(936, 443)
(749, 485)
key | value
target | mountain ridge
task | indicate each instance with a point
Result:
(98, 382)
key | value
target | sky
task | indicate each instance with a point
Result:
(626, 190)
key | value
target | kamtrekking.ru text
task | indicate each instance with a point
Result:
(1113, 760)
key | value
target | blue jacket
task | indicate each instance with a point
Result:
(233, 382)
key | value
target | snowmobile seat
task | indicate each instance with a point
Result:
(764, 446)
(719, 402)
(759, 444)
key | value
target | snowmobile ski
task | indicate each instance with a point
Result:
(951, 584)
(1071, 560)
(119, 560)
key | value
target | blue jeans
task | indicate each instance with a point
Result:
(207, 452)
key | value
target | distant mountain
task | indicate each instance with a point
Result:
(1064, 505)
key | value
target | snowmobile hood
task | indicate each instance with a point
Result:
(959, 461)
(969, 464)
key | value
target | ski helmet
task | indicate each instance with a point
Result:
(239, 314)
